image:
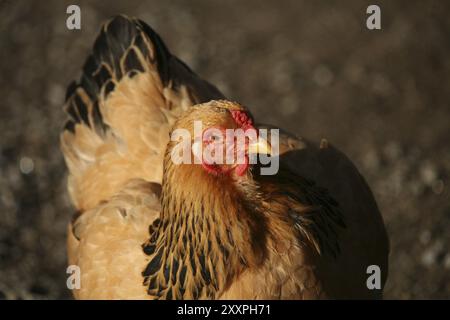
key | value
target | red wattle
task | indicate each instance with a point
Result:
(242, 168)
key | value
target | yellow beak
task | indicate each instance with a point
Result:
(260, 146)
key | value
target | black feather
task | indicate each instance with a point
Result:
(154, 265)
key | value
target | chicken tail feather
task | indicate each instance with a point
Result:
(124, 47)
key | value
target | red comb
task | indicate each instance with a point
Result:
(242, 118)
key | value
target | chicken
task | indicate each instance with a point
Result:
(148, 228)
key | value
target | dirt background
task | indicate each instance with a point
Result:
(311, 67)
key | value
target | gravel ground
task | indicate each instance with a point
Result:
(309, 66)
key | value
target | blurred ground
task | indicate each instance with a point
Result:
(309, 66)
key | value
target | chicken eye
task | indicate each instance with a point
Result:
(215, 138)
(213, 135)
